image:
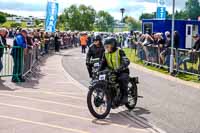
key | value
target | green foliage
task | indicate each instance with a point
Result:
(192, 9)
(37, 22)
(77, 18)
(14, 25)
(2, 19)
(9, 24)
(104, 21)
(6, 14)
(147, 16)
(181, 15)
(85, 18)
(132, 23)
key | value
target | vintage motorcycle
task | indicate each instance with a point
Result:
(104, 94)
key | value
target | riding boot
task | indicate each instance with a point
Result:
(125, 98)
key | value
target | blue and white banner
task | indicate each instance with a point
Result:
(161, 9)
(51, 16)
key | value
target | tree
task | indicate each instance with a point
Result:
(181, 15)
(192, 8)
(132, 23)
(104, 21)
(88, 17)
(37, 22)
(147, 16)
(2, 19)
(78, 18)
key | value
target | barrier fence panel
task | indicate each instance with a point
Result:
(11, 61)
(152, 54)
(185, 61)
(188, 61)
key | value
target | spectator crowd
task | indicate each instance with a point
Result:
(30, 44)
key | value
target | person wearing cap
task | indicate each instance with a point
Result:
(116, 60)
(20, 44)
(3, 44)
(193, 54)
(96, 51)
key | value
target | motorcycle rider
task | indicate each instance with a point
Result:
(116, 60)
(96, 50)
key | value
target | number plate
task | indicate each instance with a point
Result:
(102, 77)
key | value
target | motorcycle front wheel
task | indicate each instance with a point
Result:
(132, 96)
(99, 102)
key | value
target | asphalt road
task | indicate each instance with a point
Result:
(169, 105)
(52, 102)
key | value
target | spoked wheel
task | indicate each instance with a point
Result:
(132, 96)
(99, 102)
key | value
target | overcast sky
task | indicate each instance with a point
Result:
(133, 7)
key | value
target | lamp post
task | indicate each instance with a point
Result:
(122, 21)
(122, 11)
(172, 40)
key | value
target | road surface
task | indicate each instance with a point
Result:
(53, 102)
(169, 105)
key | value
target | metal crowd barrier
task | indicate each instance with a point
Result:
(18, 62)
(30, 60)
(188, 61)
(185, 61)
(11, 61)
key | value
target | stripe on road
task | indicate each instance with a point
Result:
(43, 124)
(45, 101)
(74, 117)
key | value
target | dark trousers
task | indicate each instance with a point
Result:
(17, 68)
(1, 64)
(57, 47)
(46, 48)
(89, 67)
(124, 80)
(83, 49)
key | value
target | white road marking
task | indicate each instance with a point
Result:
(45, 101)
(43, 124)
(72, 116)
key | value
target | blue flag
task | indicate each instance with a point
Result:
(51, 16)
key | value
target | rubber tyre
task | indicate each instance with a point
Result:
(134, 90)
(90, 107)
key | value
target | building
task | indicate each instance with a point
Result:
(186, 29)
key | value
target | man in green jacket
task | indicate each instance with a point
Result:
(115, 59)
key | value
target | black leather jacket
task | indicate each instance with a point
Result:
(95, 52)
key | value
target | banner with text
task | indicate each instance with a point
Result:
(51, 16)
(161, 9)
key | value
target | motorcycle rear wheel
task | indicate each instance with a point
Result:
(132, 96)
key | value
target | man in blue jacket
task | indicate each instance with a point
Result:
(17, 53)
